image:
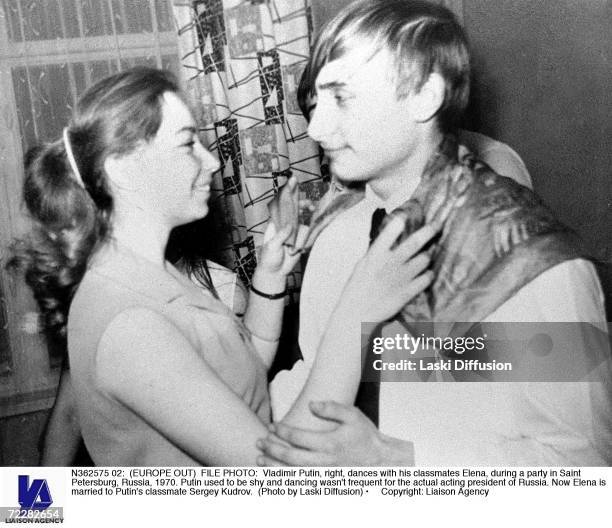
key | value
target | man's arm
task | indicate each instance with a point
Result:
(562, 422)
(355, 441)
(546, 423)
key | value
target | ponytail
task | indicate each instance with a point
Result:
(66, 190)
(67, 226)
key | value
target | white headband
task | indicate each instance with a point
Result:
(71, 160)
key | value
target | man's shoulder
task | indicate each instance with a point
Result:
(502, 158)
(484, 192)
(570, 291)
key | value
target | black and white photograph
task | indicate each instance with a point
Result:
(291, 234)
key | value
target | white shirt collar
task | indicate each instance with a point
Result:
(397, 199)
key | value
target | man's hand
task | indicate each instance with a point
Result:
(354, 442)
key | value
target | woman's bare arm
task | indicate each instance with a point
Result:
(264, 316)
(382, 283)
(62, 433)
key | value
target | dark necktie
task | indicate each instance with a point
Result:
(368, 395)
(377, 219)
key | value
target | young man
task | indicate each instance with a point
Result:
(391, 81)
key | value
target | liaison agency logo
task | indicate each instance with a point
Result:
(35, 502)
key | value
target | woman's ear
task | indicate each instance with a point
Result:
(429, 99)
(112, 167)
(117, 169)
(121, 169)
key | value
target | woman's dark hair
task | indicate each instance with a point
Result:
(71, 213)
(189, 249)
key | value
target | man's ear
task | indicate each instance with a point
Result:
(429, 99)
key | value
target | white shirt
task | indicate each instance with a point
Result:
(467, 423)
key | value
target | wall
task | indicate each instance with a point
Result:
(323, 10)
(20, 438)
(542, 72)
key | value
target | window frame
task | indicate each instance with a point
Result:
(28, 379)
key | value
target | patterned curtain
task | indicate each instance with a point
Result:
(241, 63)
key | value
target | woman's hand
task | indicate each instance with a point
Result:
(354, 441)
(284, 209)
(277, 256)
(390, 275)
(276, 259)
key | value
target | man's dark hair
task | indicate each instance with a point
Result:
(421, 37)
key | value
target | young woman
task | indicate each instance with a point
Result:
(61, 443)
(162, 374)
